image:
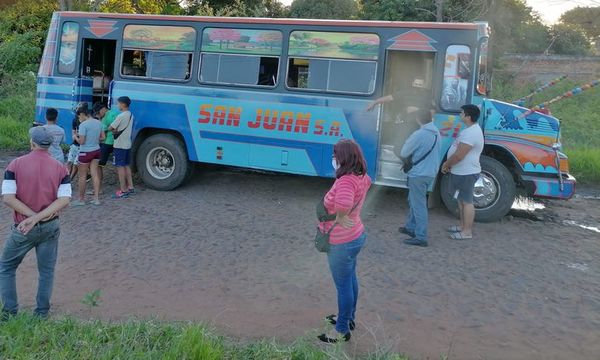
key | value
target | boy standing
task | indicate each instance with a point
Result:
(121, 129)
(72, 161)
(57, 133)
(107, 117)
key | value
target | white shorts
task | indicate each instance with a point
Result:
(73, 154)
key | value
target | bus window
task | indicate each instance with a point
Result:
(158, 52)
(244, 57)
(457, 75)
(68, 47)
(333, 62)
(134, 63)
(482, 75)
(347, 76)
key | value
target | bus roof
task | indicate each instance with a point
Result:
(270, 21)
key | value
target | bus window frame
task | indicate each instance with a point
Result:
(133, 77)
(470, 82)
(211, 83)
(59, 47)
(478, 67)
(377, 61)
(293, 89)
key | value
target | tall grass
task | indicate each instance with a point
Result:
(17, 110)
(24, 337)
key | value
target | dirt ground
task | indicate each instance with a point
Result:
(233, 249)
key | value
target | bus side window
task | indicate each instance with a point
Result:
(343, 62)
(457, 75)
(134, 63)
(246, 57)
(348, 76)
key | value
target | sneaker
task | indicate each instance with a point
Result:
(91, 192)
(120, 195)
(415, 242)
(95, 202)
(131, 192)
(77, 203)
(405, 231)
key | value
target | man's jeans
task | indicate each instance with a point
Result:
(44, 238)
(416, 220)
(342, 263)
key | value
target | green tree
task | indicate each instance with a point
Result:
(324, 9)
(569, 40)
(398, 10)
(588, 19)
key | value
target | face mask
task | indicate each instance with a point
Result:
(335, 164)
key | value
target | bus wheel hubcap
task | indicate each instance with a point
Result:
(486, 192)
(160, 163)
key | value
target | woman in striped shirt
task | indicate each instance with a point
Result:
(345, 199)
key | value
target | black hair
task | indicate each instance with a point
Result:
(98, 106)
(51, 114)
(82, 110)
(471, 111)
(125, 100)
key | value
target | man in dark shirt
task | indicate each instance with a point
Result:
(36, 187)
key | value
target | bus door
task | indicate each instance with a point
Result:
(97, 69)
(409, 80)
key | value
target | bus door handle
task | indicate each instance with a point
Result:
(284, 157)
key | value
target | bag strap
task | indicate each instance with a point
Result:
(427, 154)
(351, 210)
(128, 122)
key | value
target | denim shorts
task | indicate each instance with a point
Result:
(463, 187)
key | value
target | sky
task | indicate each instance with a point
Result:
(550, 10)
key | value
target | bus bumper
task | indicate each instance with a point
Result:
(545, 187)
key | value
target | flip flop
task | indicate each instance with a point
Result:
(460, 236)
(454, 229)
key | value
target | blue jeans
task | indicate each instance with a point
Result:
(416, 220)
(342, 263)
(44, 238)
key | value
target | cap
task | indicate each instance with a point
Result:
(40, 136)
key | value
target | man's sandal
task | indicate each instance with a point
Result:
(460, 236)
(454, 229)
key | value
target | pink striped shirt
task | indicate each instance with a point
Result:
(343, 195)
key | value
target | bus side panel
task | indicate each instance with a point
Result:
(250, 129)
(152, 111)
(60, 93)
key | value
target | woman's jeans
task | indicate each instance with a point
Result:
(44, 238)
(342, 263)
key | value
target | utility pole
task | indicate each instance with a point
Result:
(439, 10)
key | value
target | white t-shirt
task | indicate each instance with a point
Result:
(470, 164)
(124, 121)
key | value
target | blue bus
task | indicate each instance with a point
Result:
(277, 94)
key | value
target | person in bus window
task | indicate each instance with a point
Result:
(89, 137)
(464, 167)
(345, 198)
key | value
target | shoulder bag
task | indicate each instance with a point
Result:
(322, 238)
(409, 164)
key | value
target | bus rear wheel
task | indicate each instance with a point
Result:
(494, 192)
(162, 162)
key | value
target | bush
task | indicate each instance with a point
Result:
(18, 53)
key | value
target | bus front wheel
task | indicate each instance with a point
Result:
(162, 162)
(494, 192)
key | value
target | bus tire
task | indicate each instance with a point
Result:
(162, 162)
(495, 192)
